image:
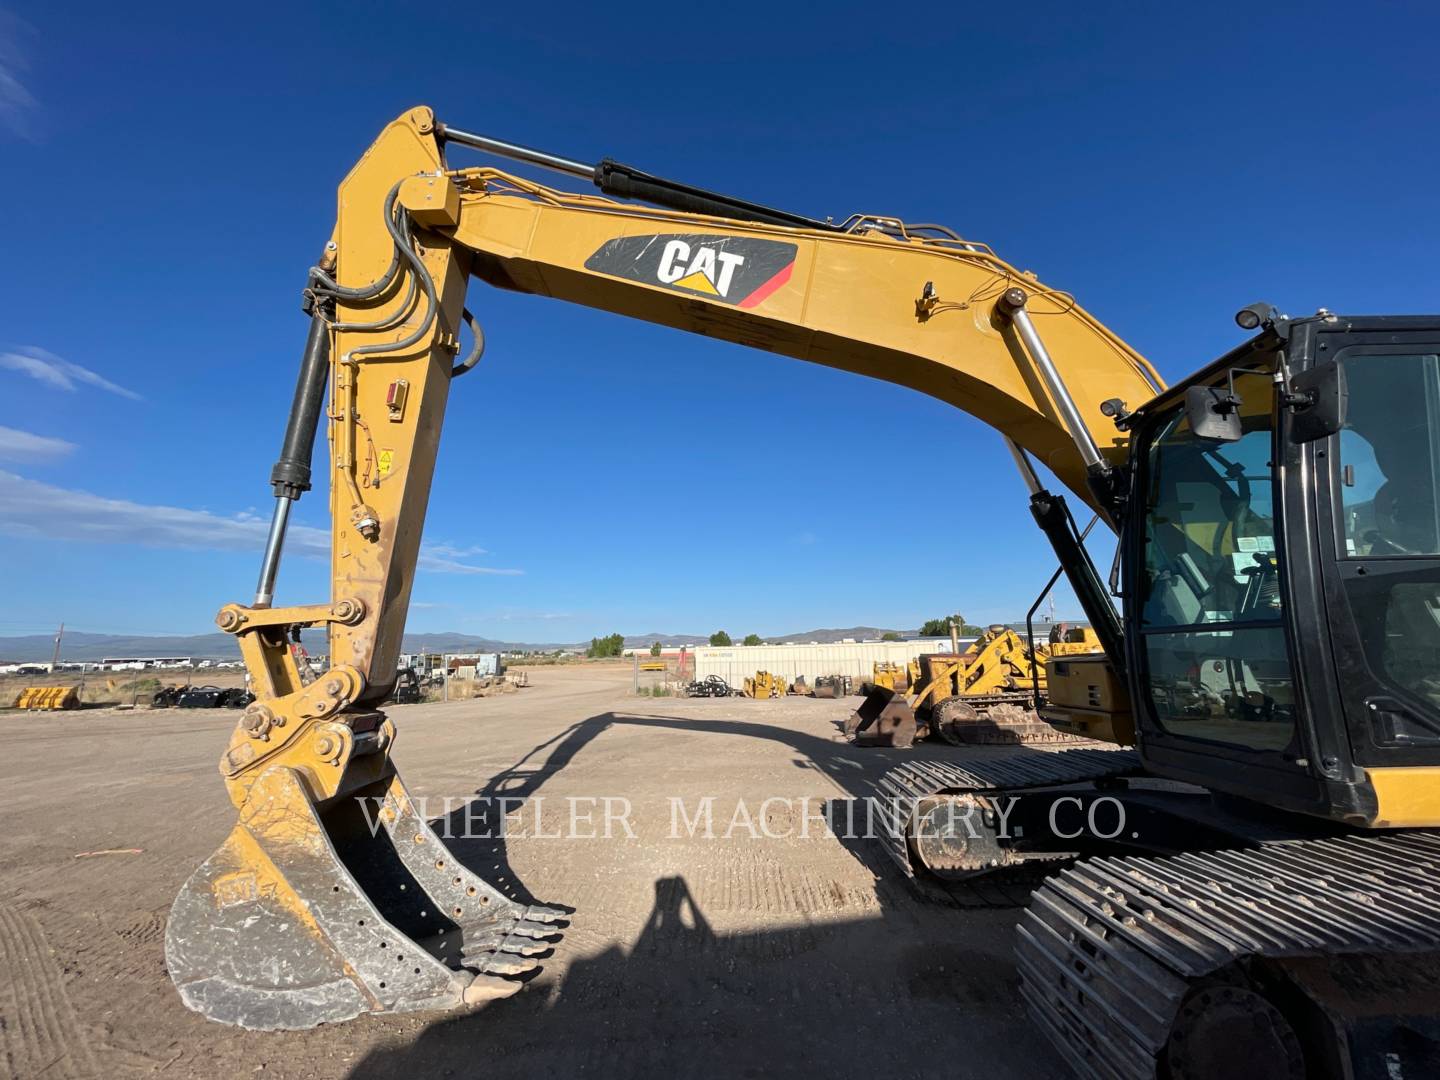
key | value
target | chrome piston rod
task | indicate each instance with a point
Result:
(516, 152)
(1012, 304)
(1026, 467)
(274, 544)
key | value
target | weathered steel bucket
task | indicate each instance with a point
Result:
(315, 913)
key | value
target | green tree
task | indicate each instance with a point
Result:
(613, 645)
(720, 637)
(889, 635)
(752, 639)
(655, 648)
(941, 627)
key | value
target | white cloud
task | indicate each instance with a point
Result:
(451, 551)
(437, 564)
(17, 105)
(43, 511)
(16, 445)
(58, 372)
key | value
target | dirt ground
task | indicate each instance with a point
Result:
(685, 956)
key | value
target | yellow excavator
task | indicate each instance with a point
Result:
(1270, 893)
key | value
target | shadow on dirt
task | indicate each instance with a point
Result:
(475, 832)
(838, 999)
(888, 995)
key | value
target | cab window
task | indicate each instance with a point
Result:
(1389, 485)
(1390, 455)
(1218, 667)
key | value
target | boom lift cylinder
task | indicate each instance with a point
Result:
(291, 474)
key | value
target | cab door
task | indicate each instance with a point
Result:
(1211, 646)
(1378, 526)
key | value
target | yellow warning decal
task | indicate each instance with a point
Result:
(387, 461)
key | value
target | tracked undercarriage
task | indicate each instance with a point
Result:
(1267, 961)
(1262, 954)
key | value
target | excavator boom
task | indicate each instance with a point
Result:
(328, 847)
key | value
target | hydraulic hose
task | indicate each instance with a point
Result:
(476, 351)
(422, 275)
(365, 292)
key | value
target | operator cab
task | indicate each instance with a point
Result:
(1281, 568)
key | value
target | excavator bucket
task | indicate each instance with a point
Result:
(884, 718)
(49, 697)
(315, 913)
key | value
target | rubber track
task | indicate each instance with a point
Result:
(900, 789)
(1109, 947)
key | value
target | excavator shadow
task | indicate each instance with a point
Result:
(840, 998)
(475, 832)
(683, 999)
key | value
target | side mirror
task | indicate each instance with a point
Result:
(1319, 398)
(1214, 413)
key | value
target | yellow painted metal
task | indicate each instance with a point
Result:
(1405, 797)
(323, 738)
(889, 675)
(764, 686)
(853, 301)
(48, 697)
(1085, 696)
(996, 662)
(432, 201)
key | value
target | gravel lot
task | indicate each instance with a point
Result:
(775, 949)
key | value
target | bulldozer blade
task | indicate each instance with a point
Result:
(312, 914)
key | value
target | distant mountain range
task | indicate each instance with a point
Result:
(78, 645)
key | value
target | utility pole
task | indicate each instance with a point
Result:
(55, 656)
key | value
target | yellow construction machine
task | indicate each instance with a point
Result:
(888, 675)
(988, 694)
(1251, 890)
(48, 698)
(764, 686)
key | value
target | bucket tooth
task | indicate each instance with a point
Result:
(311, 914)
(502, 963)
(512, 945)
(488, 988)
(530, 929)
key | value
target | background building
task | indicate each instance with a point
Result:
(736, 663)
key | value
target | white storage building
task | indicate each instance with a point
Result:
(736, 663)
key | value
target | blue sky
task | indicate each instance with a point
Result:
(169, 175)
